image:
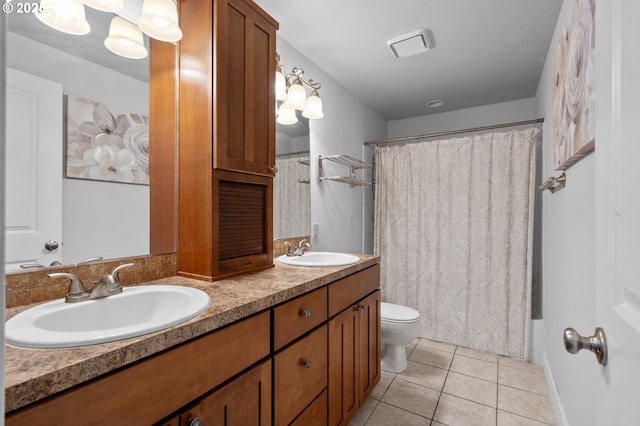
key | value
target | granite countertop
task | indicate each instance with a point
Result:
(33, 374)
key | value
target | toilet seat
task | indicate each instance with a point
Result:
(393, 313)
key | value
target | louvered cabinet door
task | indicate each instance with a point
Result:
(242, 229)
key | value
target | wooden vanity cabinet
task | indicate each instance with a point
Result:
(244, 401)
(354, 343)
(150, 389)
(226, 138)
(312, 360)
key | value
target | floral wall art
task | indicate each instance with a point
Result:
(573, 78)
(105, 143)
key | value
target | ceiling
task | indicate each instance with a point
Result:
(483, 51)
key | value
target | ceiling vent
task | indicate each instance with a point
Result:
(409, 44)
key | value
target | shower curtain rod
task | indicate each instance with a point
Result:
(454, 132)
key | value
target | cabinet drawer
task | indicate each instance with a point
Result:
(315, 414)
(295, 317)
(345, 292)
(300, 374)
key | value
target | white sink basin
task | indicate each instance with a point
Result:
(319, 258)
(134, 312)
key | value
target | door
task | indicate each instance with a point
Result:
(369, 344)
(245, 401)
(33, 170)
(244, 109)
(618, 209)
(343, 380)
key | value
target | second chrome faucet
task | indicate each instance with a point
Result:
(299, 251)
(106, 286)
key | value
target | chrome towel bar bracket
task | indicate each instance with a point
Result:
(554, 183)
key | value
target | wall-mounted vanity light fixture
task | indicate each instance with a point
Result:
(159, 20)
(291, 92)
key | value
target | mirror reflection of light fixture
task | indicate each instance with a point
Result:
(286, 115)
(125, 39)
(64, 15)
(105, 5)
(290, 90)
(160, 20)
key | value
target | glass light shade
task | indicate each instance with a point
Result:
(159, 20)
(64, 15)
(287, 115)
(281, 87)
(105, 5)
(297, 96)
(125, 39)
(314, 107)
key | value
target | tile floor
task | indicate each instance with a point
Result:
(454, 386)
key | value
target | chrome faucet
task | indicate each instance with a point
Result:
(114, 285)
(101, 288)
(299, 251)
(76, 292)
(107, 286)
(303, 244)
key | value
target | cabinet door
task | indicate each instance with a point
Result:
(354, 357)
(369, 344)
(315, 414)
(343, 371)
(242, 223)
(244, 108)
(245, 401)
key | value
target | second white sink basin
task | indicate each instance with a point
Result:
(134, 312)
(319, 258)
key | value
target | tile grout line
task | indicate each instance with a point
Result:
(443, 384)
(497, 386)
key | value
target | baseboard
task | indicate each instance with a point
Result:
(561, 417)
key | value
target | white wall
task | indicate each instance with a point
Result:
(99, 219)
(568, 263)
(340, 212)
(505, 112)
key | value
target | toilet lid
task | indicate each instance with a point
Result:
(398, 313)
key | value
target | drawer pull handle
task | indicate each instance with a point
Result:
(194, 421)
(306, 313)
(360, 308)
(306, 363)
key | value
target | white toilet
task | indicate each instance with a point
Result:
(399, 326)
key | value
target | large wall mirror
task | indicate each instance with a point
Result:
(89, 218)
(291, 195)
(93, 218)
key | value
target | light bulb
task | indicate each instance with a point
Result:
(287, 114)
(159, 20)
(297, 96)
(314, 107)
(64, 15)
(281, 87)
(125, 39)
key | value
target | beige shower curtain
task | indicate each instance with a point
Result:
(291, 199)
(454, 229)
